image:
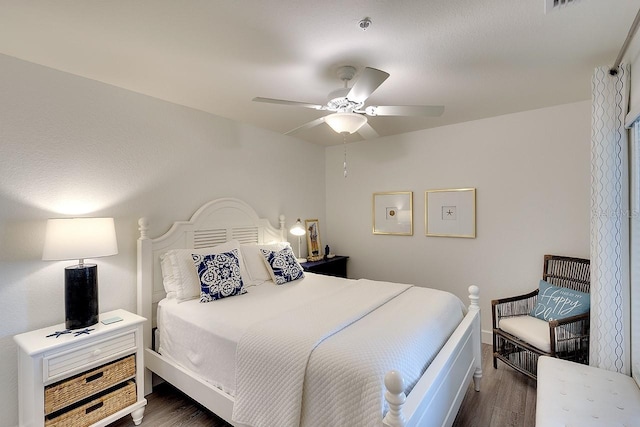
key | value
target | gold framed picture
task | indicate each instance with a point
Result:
(393, 213)
(314, 247)
(450, 213)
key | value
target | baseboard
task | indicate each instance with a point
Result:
(487, 337)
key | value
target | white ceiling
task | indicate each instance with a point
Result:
(478, 58)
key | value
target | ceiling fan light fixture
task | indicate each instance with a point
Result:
(345, 122)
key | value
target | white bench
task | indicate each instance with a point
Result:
(574, 395)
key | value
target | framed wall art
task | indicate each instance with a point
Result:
(393, 213)
(450, 213)
(314, 247)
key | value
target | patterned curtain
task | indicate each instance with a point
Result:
(609, 343)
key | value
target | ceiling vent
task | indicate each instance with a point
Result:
(550, 5)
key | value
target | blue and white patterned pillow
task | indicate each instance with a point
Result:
(282, 265)
(219, 275)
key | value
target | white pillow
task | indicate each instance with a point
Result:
(254, 261)
(185, 275)
(168, 280)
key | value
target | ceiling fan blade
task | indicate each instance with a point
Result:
(407, 110)
(285, 102)
(369, 80)
(367, 132)
(306, 126)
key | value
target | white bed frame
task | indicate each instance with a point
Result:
(434, 400)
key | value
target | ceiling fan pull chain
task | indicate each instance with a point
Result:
(344, 165)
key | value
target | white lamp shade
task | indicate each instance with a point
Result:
(345, 122)
(297, 229)
(79, 238)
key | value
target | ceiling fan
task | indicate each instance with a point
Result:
(347, 105)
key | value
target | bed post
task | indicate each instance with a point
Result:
(474, 298)
(145, 292)
(395, 397)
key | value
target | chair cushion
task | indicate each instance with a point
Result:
(570, 394)
(529, 329)
(556, 302)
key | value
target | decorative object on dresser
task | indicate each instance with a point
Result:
(80, 380)
(450, 213)
(298, 231)
(333, 266)
(80, 238)
(553, 320)
(314, 247)
(393, 213)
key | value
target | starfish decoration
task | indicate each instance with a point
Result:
(82, 332)
(58, 333)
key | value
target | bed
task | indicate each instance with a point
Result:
(413, 376)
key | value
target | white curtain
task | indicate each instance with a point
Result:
(610, 299)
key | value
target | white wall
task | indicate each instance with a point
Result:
(532, 175)
(69, 145)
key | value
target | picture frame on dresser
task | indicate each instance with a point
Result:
(393, 213)
(314, 245)
(450, 212)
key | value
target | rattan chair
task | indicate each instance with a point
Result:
(568, 338)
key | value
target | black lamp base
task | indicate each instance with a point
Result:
(81, 296)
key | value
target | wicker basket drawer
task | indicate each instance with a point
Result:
(74, 389)
(88, 412)
(64, 364)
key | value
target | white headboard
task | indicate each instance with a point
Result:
(215, 222)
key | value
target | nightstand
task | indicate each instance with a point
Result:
(79, 379)
(336, 266)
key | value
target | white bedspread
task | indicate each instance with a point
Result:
(203, 337)
(365, 330)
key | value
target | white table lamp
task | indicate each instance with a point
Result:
(298, 230)
(80, 238)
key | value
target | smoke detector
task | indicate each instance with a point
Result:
(364, 24)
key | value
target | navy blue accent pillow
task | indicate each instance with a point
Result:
(283, 265)
(556, 303)
(219, 275)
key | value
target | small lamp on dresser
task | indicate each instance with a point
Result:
(298, 230)
(80, 238)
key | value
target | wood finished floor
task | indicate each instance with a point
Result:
(506, 399)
